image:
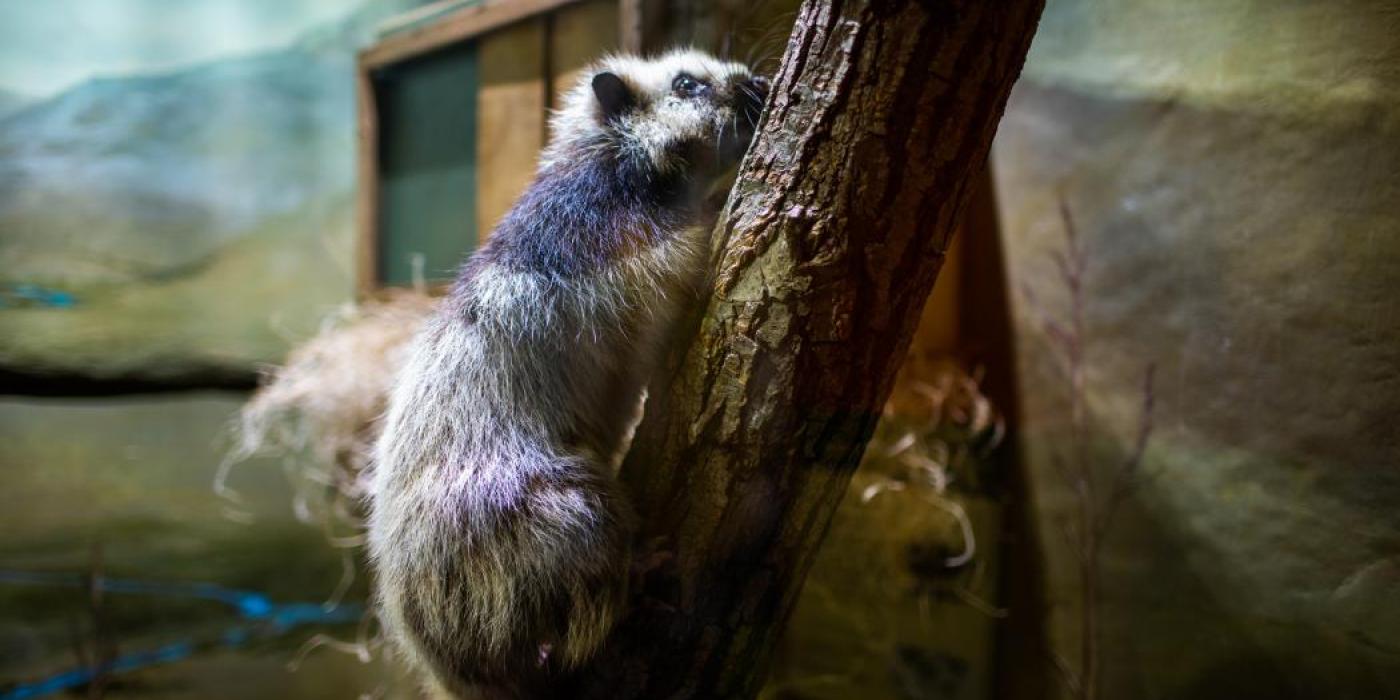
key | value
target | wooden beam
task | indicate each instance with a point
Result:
(454, 27)
(367, 184)
(422, 13)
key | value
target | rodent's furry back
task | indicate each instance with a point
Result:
(499, 537)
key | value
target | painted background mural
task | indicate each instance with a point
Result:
(175, 191)
(175, 180)
(1230, 171)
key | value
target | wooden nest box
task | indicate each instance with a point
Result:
(453, 102)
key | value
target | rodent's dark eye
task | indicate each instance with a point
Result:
(685, 86)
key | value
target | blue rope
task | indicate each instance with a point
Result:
(263, 616)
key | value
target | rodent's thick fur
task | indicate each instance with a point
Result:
(499, 537)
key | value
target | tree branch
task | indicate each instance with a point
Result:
(881, 117)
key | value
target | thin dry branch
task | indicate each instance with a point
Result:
(1094, 511)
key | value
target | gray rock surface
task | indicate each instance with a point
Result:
(182, 223)
(1234, 170)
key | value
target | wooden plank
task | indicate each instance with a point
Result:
(511, 116)
(454, 27)
(367, 186)
(629, 24)
(581, 34)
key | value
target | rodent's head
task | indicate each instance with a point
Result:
(672, 110)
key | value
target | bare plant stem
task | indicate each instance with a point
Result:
(1094, 509)
(1072, 266)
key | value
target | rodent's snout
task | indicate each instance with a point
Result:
(752, 92)
(754, 89)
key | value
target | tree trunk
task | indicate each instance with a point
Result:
(881, 117)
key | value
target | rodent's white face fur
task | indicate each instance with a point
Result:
(723, 110)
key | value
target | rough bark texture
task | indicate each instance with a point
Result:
(881, 117)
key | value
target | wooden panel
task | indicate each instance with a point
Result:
(581, 34)
(427, 165)
(511, 111)
(631, 16)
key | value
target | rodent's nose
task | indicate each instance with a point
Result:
(760, 84)
(753, 92)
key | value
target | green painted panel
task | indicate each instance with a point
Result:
(427, 165)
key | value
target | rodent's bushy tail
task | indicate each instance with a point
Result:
(512, 607)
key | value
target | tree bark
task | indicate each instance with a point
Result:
(881, 117)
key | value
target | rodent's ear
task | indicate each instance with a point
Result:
(613, 95)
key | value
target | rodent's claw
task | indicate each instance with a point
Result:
(654, 555)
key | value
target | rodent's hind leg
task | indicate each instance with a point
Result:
(595, 604)
(581, 535)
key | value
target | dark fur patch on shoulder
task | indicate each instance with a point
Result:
(583, 213)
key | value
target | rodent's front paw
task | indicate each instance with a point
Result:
(655, 580)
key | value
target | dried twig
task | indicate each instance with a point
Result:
(1094, 508)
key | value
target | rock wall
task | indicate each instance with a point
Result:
(180, 225)
(1231, 168)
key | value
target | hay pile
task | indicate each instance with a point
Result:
(319, 412)
(901, 601)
